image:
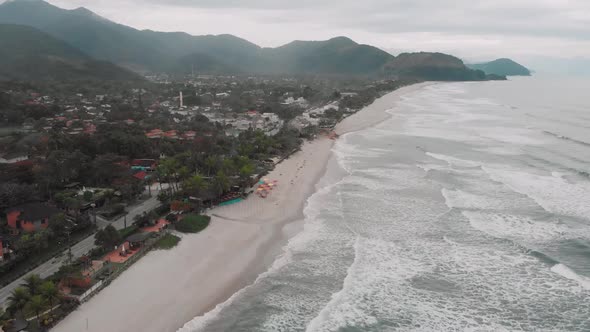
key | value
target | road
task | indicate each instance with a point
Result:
(51, 266)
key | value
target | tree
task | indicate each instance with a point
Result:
(227, 166)
(107, 237)
(59, 225)
(49, 292)
(221, 183)
(33, 284)
(246, 172)
(211, 164)
(12, 194)
(18, 299)
(108, 195)
(36, 304)
(88, 196)
(195, 184)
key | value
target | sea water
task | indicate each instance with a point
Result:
(467, 210)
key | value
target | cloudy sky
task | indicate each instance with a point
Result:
(472, 29)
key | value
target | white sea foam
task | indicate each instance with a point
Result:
(312, 231)
(520, 228)
(452, 161)
(568, 273)
(376, 265)
(502, 151)
(465, 200)
(554, 194)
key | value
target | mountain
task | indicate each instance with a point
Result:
(338, 55)
(180, 53)
(29, 54)
(506, 67)
(435, 67)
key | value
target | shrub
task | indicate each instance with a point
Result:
(125, 232)
(88, 195)
(163, 209)
(193, 223)
(167, 241)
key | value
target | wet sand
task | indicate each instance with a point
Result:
(167, 289)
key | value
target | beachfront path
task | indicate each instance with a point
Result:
(51, 266)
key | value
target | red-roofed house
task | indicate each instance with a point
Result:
(189, 135)
(141, 175)
(30, 217)
(171, 134)
(154, 133)
(90, 129)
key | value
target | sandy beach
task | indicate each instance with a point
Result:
(166, 289)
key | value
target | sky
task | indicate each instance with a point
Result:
(475, 30)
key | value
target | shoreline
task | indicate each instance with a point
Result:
(167, 289)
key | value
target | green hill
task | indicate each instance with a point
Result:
(180, 53)
(435, 67)
(506, 67)
(29, 54)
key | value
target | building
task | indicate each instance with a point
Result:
(13, 158)
(148, 165)
(30, 217)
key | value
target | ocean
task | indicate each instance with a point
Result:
(467, 210)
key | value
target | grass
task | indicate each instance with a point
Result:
(193, 223)
(167, 242)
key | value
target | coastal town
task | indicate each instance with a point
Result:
(94, 177)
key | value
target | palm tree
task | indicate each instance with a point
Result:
(49, 292)
(195, 184)
(211, 163)
(108, 195)
(36, 304)
(74, 204)
(221, 182)
(33, 283)
(18, 299)
(227, 165)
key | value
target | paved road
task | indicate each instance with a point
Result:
(50, 267)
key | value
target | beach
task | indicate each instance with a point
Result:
(166, 289)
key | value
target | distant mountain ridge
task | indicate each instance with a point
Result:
(180, 53)
(29, 54)
(503, 66)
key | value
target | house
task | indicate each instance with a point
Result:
(171, 134)
(154, 133)
(30, 217)
(13, 158)
(149, 165)
(189, 135)
(141, 175)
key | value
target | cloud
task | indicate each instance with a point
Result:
(468, 28)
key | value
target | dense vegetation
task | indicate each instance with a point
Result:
(27, 53)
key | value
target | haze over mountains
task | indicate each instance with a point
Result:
(180, 53)
(28, 54)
